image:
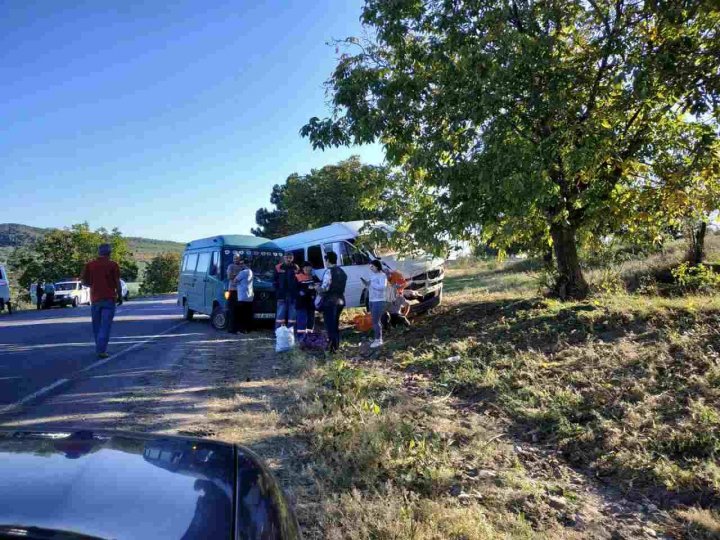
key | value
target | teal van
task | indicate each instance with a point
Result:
(203, 279)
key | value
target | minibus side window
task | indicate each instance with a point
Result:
(315, 257)
(203, 262)
(215, 264)
(299, 257)
(191, 262)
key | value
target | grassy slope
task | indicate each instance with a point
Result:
(623, 387)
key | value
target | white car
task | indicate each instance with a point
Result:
(4, 290)
(71, 293)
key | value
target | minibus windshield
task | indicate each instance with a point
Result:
(262, 262)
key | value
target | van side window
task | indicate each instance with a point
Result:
(215, 264)
(203, 262)
(299, 257)
(350, 255)
(315, 257)
(191, 262)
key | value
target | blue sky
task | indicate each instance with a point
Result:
(169, 120)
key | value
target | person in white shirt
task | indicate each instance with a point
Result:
(376, 287)
(245, 296)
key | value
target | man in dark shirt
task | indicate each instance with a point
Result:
(286, 290)
(333, 299)
(103, 277)
(39, 291)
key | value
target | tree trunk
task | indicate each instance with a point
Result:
(570, 281)
(696, 251)
(548, 257)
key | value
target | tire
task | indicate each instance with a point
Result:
(218, 318)
(127, 296)
(75, 302)
(188, 313)
(10, 308)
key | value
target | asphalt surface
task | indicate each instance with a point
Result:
(40, 348)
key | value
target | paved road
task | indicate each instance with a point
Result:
(38, 348)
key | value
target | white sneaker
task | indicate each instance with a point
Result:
(375, 344)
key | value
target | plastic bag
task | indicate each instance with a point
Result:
(284, 339)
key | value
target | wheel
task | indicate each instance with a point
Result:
(127, 296)
(10, 308)
(219, 319)
(75, 302)
(187, 312)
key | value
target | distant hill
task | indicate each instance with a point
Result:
(14, 235)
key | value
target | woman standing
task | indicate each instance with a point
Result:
(245, 296)
(306, 300)
(377, 286)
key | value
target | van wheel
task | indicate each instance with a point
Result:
(187, 312)
(10, 308)
(219, 319)
(75, 302)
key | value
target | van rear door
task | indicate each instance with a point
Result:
(187, 278)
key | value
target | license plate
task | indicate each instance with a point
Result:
(264, 315)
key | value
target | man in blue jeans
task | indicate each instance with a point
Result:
(333, 299)
(103, 277)
(286, 290)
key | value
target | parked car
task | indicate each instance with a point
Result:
(124, 292)
(98, 484)
(425, 273)
(203, 280)
(71, 292)
(5, 302)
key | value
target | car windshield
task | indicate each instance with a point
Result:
(262, 262)
(66, 286)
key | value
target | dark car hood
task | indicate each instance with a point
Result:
(116, 485)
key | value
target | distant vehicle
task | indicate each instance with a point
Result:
(97, 484)
(124, 292)
(203, 280)
(5, 291)
(425, 274)
(71, 292)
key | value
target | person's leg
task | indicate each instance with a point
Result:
(291, 314)
(280, 313)
(95, 315)
(329, 311)
(301, 321)
(107, 314)
(247, 316)
(338, 312)
(310, 318)
(232, 322)
(376, 311)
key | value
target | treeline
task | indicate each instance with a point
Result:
(547, 127)
(62, 253)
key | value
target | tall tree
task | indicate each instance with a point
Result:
(273, 223)
(161, 274)
(538, 114)
(62, 253)
(347, 191)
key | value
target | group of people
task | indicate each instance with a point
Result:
(300, 294)
(44, 291)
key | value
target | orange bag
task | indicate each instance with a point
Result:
(363, 323)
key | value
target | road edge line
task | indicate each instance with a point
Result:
(77, 374)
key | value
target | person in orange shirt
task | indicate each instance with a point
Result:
(103, 277)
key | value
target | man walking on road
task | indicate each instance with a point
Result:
(103, 277)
